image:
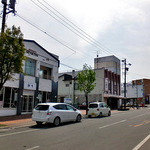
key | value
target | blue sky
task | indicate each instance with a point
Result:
(121, 28)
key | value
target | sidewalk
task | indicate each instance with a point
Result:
(25, 120)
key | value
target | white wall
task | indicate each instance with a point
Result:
(134, 91)
(64, 91)
(7, 111)
(45, 85)
(14, 82)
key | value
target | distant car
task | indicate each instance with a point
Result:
(98, 109)
(83, 105)
(55, 113)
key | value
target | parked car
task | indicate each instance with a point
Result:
(55, 113)
(98, 109)
(83, 105)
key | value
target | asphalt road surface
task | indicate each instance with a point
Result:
(128, 130)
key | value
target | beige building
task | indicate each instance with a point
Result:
(107, 84)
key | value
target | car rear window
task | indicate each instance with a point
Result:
(93, 105)
(42, 107)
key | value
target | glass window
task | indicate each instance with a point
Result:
(70, 108)
(93, 105)
(60, 107)
(101, 105)
(42, 107)
(45, 72)
(67, 85)
(30, 65)
(1, 98)
(7, 97)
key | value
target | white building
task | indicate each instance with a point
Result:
(103, 91)
(37, 84)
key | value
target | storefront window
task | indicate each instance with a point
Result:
(10, 97)
(30, 65)
(1, 98)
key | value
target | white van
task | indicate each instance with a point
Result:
(98, 109)
(55, 113)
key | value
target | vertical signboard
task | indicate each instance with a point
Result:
(106, 84)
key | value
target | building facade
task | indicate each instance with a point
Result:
(138, 91)
(37, 84)
(107, 88)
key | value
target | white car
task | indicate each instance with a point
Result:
(55, 113)
(98, 109)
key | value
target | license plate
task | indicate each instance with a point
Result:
(93, 114)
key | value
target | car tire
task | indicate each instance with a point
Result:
(39, 123)
(109, 113)
(78, 119)
(100, 115)
(56, 121)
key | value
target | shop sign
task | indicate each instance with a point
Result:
(68, 100)
(32, 52)
(106, 84)
(30, 86)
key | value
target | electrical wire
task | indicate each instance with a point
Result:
(95, 41)
(42, 30)
(85, 38)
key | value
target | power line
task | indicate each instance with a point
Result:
(81, 35)
(46, 33)
(42, 30)
(95, 41)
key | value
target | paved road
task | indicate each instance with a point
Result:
(122, 131)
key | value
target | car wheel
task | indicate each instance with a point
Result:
(100, 115)
(78, 118)
(57, 121)
(109, 113)
(39, 123)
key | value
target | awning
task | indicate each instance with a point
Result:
(114, 96)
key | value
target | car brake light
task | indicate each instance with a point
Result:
(97, 109)
(49, 113)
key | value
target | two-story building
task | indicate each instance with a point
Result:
(138, 91)
(37, 84)
(107, 84)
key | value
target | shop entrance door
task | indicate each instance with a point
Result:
(27, 104)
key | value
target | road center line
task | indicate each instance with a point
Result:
(142, 143)
(18, 132)
(33, 148)
(112, 124)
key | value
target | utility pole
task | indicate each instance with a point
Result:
(125, 74)
(11, 5)
(73, 86)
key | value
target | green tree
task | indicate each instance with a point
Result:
(86, 81)
(12, 52)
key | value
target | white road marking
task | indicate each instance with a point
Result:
(18, 132)
(142, 143)
(33, 148)
(112, 124)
